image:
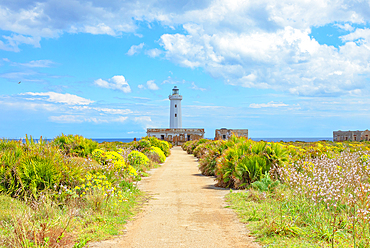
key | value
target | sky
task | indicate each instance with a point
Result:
(105, 69)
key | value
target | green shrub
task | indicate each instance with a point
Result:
(112, 164)
(163, 145)
(38, 172)
(158, 152)
(29, 169)
(75, 145)
(194, 144)
(247, 161)
(111, 146)
(138, 160)
(266, 184)
(201, 149)
(208, 162)
(186, 144)
(144, 144)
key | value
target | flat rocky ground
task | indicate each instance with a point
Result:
(185, 210)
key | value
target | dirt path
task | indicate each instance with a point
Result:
(186, 211)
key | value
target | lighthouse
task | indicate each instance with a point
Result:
(175, 108)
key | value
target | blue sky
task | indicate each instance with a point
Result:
(104, 69)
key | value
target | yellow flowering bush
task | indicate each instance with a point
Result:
(97, 190)
(163, 145)
(138, 160)
(160, 153)
(114, 162)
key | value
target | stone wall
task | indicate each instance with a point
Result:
(351, 135)
(224, 133)
(177, 136)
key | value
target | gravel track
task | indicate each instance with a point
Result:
(185, 210)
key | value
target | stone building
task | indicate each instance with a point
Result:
(351, 135)
(176, 134)
(225, 133)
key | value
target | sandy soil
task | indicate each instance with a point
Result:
(186, 210)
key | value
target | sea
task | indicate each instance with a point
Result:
(127, 140)
(294, 139)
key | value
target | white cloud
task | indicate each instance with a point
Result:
(151, 85)
(195, 87)
(29, 106)
(120, 119)
(358, 34)
(287, 60)
(68, 99)
(135, 49)
(268, 105)
(37, 63)
(264, 44)
(153, 52)
(110, 111)
(116, 83)
(67, 119)
(12, 42)
(101, 28)
(346, 27)
(114, 111)
(50, 18)
(76, 119)
(143, 119)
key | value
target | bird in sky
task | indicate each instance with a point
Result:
(19, 82)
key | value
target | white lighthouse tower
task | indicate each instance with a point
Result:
(175, 109)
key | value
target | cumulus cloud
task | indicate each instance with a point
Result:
(288, 59)
(268, 105)
(265, 44)
(135, 49)
(101, 28)
(151, 85)
(359, 34)
(153, 52)
(346, 27)
(116, 83)
(54, 97)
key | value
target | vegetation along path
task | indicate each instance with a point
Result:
(186, 210)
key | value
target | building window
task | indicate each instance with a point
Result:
(175, 105)
(162, 137)
(224, 136)
(175, 115)
(188, 137)
(354, 137)
(366, 137)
